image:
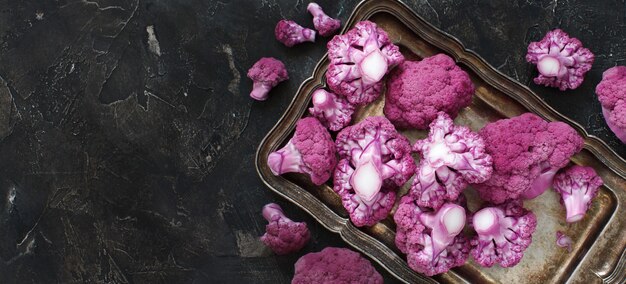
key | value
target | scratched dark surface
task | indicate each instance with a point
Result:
(127, 135)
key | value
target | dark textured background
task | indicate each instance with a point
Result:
(127, 135)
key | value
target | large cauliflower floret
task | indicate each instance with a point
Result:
(562, 61)
(333, 111)
(418, 90)
(310, 151)
(527, 152)
(375, 161)
(577, 186)
(266, 74)
(503, 234)
(612, 95)
(358, 61)
(335, 265)
(282, 234)
(452, 157)
(432, 240)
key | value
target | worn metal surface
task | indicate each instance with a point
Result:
(599, 239)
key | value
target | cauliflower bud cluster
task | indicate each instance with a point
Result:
(418, 90)
(612, 95)
(507, 161)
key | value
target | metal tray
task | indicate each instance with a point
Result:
(599, 250)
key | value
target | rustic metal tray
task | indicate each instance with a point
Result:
(599, 249)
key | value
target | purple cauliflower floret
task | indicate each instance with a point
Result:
(418, 90)
(333, 111)
(504, 232)
(266, 74)
(290, 33)
(561, 61)
(527, 151)
(364, 211)
(432, 240)
(282, 235)
(310, 151)
(358, 61)
(324, 24)
(577, 186)
(335, 265)
(563, 241)
(612, 95)
(452, 157)
(375, 161)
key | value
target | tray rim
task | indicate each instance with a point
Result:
(516, 90)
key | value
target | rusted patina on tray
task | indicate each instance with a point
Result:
(598, 253)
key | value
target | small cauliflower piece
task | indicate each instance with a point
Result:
(432, 240)
(290, 33)
(358, 61)
(374, 161)
(324, 24)
(612, 95)
(310, 151)
(561, 60)
(335, 265)
(504, 232)
(266, 74)
(527, 152)
(577, 186)
(452, 157)
(418, 90)
(563, 241)
(283, 235)
(333, 111)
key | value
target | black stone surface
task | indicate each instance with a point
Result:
(127, 136)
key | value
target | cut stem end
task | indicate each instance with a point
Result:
(549, 66)
(366, 181)
(373, 67)
(484, 220)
